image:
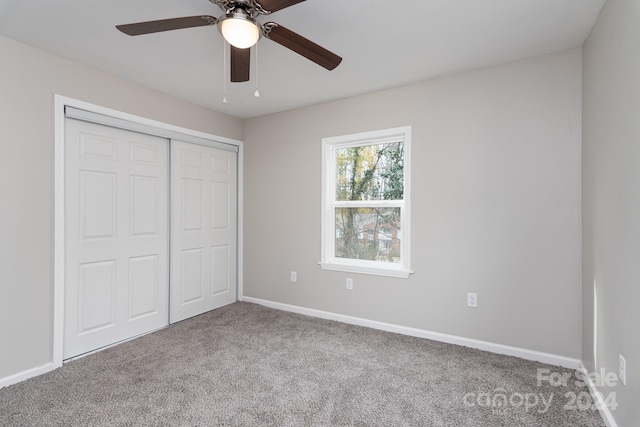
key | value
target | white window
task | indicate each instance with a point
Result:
(365, 202)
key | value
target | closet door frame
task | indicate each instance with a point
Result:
(62, 102)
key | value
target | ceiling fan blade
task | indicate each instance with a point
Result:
(167, 25)
(276, 5)
(240, 64)
(301, 45)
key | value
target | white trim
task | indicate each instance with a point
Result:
(25, 375)
(136, 126)
(603, 409)
(328, 260)
(551, 359)
(141, 120)
(355, 139)
(59, 232)
(240, 220)
(377, 271)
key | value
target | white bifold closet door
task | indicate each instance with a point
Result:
(116, 232)
(203, 230)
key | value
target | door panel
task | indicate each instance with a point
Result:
(98, 201)
(192, 204)
(116, 235)
(220, 269)
(144, 200)
(143, 282)
(97, 290)
(203, 236)
(220, 205)
(192, 281)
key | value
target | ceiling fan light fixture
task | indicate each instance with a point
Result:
(239, 30)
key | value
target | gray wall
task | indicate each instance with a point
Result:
(611, 200)
(495, 205)
(28, 80)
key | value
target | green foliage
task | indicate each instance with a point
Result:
(371, 172)
(394, 175)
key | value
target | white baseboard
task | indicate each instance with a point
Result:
(25, 375)
(551, 359)
(604, 410)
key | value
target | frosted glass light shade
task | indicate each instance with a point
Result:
(240, 32)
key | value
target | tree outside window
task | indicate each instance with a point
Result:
(365, 208)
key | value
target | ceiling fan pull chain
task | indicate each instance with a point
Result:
(257, 93)
(224, 71)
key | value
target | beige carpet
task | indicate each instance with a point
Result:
(247, 365)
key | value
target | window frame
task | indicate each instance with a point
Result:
(328, 260)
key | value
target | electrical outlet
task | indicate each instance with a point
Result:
(622, 370)
(294, 276)
(349, 284)
(472, 300)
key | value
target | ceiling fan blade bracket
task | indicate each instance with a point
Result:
(221, 3)
(266, 29)
(260, 10)
(210, 19)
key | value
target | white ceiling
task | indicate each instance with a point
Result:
(384, 43)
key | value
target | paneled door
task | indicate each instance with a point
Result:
(116, 235)
(203, 230)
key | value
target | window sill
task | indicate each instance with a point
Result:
(376, 271)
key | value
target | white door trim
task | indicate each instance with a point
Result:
(60, 102)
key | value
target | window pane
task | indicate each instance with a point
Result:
(368, 234)
(370, 172)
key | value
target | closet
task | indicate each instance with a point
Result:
(150, 229)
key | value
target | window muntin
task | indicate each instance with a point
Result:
(365, 203)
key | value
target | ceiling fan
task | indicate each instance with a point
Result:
(239, 27)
